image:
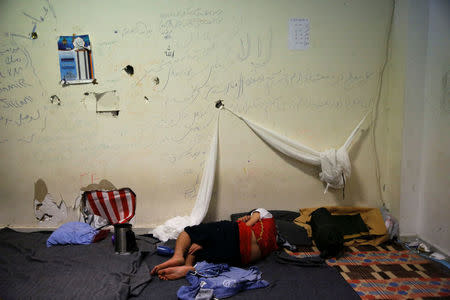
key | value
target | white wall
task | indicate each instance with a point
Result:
(234, 50)
(425, 198)
(434, 218)
(416, 17)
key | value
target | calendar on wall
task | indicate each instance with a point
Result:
(298, 38)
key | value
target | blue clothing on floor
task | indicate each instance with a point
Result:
(226, 281)
(74, 233)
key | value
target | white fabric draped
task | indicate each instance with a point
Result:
(335, 164)
(172, 227)
(335, 170)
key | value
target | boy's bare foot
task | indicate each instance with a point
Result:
(173, 262)
(173, 273)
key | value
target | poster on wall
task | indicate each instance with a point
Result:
(298, 38)
(75, 59)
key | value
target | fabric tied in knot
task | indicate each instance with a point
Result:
(336, 167)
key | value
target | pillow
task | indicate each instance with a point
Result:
(294, 234)
(74, 233)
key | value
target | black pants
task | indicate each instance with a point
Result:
(219, 240)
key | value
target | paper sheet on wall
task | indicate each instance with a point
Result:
(298, 34)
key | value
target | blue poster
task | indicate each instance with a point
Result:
(75, 59)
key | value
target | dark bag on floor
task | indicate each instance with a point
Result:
(327, 236)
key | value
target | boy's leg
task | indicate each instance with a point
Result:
(173, 273)
(190, 260)
(182, 245)
(177, 272)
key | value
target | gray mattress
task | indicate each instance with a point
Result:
(28, 269)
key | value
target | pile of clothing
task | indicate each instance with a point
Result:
(219, 281)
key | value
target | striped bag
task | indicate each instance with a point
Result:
(117, 206)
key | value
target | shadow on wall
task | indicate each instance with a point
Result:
(40, 190)
(102, 185)
(45, 208)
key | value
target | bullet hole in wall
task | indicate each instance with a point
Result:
(219, 104)
(129, 70)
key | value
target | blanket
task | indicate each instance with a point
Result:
(30, 270)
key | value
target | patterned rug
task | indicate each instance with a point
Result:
(389, 271)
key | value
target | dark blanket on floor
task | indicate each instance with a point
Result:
(30, 270)
(287, 281)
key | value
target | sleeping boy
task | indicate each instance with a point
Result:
(251, 238)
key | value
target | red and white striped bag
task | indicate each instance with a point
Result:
(117, 206)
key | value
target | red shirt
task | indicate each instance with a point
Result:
(265, 234)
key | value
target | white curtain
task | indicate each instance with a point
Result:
(335, 170)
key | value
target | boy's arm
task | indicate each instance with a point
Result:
(244, 218)
(253, 219)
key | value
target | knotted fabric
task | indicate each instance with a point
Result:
(335, 164)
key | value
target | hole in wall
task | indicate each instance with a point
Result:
(114, 113)
(107, 103)
(129, 70)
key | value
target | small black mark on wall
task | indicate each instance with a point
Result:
(33, 34)
(156, 80)
(55, 100)
(219, 104)
(129, 70)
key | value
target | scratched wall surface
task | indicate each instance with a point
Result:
(199, 52)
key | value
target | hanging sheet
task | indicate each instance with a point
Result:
(172, 227)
